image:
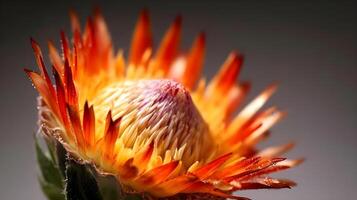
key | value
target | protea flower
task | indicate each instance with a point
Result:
(150, 121)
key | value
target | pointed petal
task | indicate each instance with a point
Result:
(89, 124)
(143, 157)
(65, 46)
(128, 170)
(55, 58)
(102, 36)
(228, 74)
(208, 169)
(75, 24)
(42, 87)
(111, 134)
(169, 46)
(276, 151)
(255, 168)
(76, 125)
(71, 94)
(205, 188)
(61, 101)
(158, 174)
(267, 123)
(175, 185)
(236, 168)
(265, 183)
(194, 62)
(142, 39)
(41, 64)
(250, 110)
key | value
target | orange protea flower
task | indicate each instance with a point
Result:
(151, 120)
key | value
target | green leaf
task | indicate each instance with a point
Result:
(109, 187)
(81, 183)
(51, 191)
(61, 155)
(51, 146)
(50, 172)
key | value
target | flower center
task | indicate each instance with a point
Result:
(159, 111)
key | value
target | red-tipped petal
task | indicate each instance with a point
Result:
(76, 125)
(169, 46)
(61, 100)
(265, 183)
(208, 169)
(38, 54)
(40, 84)
(158, 174)
(144, 156)
(55, 58)
(247, 113)
(276, 150)
(229, 72)
(71, 94)
(128, 170)
(175, 185)
(242, 135)
(206, 188)
(41, 64)
(111, 133)
(75, 24)
(254, 168)
(194, 62)
(236, 168)
(89, 124)
(65, 46)
(142, 39)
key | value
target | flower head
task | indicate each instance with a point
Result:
(150, 120)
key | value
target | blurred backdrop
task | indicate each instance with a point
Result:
(310, 47)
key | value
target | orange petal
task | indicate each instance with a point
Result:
(267, 123)
(55, 58)
(111, 134)
(128, 170)
(144, 156)
(89, 124)
(242, 135)
(76, 125)
(253, 169)
(265, 183)
(235, 95)
(101, 33)
(247, 113)
(194, 62)
(276, 151)
(235, 168)
(208, 169)
(71, 93)
(141, 40)
(42, 87)
(175, 185)
(119, 64)
(269, 170)
(65, 46)
(41, 64)
(61, 101)
(169, 46)
(158, 174)
(200, 187)
(228, 73)
(75, 24)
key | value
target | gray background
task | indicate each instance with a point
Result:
(310, 47)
